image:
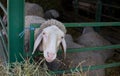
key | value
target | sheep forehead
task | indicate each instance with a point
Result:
(54, 30)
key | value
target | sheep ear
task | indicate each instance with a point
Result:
(63, 45)
(37, 42)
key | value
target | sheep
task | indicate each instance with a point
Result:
(51, 14)
(33, 9)
(37, 10)
(90, 58)
(57, 64)
(90, 38)
(73, 59)
(48, 37)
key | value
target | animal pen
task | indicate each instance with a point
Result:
(15, 46)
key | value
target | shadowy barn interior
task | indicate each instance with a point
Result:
(102, 15)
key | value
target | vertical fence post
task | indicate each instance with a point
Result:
(76, 5)
(98, 14)
(98, 11)
(15, 27)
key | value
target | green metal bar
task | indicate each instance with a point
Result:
(85, 68)
(96, 24)
(3, 8)
(15, 27)
(31, 39)
(98, 11)
(100, 48)
(75, 5)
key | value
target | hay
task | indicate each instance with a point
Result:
(77, 71)
(26, 68)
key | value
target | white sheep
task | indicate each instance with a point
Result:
(57, 64)
(52, 13)
(73, 59)
(90, 58)
(49, 36)
(90, 38)
(33, 9)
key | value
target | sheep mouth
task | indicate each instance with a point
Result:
(49, 59)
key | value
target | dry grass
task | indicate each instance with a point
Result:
(26, 68)
(78, 71)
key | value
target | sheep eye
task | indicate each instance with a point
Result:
(62, 37)
(43, 33)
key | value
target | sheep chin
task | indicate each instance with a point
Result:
(48, 60)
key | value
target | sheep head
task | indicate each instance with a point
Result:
(49, 41)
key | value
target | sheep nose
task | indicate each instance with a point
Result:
(50, 55)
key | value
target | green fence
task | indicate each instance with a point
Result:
(85, 49)
(16, 26)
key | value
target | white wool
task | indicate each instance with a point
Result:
(33, 9)
(53, 22)
(73, 59)
(89, 57)
(90, 38)
(70, 43)
(31, 20)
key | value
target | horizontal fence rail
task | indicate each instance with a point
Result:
(88, 68)
(94, 24)
(99, 48)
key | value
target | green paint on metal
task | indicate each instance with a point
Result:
(98, 14)
(96, 24)
(76, 6)
(31, 39)
(15, 27)
(3, 8)
(85, 68)
(99, 48)
(98, 11)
